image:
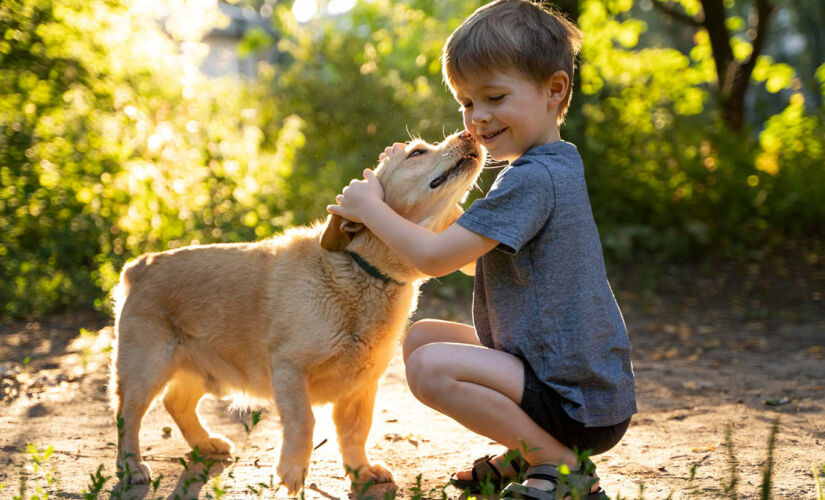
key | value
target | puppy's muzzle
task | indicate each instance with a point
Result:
(469, 155)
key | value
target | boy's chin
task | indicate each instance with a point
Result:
(501, 156)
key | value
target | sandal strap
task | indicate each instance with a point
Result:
(516, 461)
(483, 468)
(544, 471)
(516, 490)
(579, 479)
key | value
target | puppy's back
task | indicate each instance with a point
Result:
(197, 289)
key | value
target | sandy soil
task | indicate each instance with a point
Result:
(702, 369)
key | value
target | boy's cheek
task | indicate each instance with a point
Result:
(468, 121)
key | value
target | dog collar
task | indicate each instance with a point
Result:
(372, 270)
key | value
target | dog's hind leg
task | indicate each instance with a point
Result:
(142, 367)
(181, 400)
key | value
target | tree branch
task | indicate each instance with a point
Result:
(714, 24)
(671, 11)
(764, 10)
(740, 73)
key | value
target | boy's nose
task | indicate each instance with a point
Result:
(480, 118)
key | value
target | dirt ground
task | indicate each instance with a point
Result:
(704, 367)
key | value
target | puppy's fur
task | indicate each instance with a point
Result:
(294, 318)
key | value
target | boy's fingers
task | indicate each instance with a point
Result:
(370, 175)
(396, 147)
(385, 153)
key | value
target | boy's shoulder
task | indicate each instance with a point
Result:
(554, 155)
(551, 149)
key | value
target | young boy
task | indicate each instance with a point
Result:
(546, 366)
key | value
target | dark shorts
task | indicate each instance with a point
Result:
(543, 405)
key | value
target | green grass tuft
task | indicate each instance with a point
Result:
(767, 474)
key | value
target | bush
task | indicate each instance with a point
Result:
(668, 180)
(112, 144)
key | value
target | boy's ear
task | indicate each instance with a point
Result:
(557, 86)
(338, 233)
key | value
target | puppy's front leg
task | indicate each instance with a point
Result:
(353, 419)
(291, 391)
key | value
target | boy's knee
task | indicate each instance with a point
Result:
(416, 336)
(425, 375)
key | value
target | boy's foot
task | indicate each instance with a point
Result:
(546, 482)
(498, 471)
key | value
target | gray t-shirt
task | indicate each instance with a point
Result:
(542, 294)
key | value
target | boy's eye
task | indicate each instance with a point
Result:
(496, 98)
(465, 106)
(417, 152)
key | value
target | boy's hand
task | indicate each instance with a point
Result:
(396, 147)
(357, 198)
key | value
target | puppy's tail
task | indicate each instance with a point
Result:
(130, 275)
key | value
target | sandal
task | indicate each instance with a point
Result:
(565, 486)
(486, 473)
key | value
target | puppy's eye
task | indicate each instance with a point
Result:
(416, 152)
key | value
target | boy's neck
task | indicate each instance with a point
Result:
(552, 136)
(555, 137)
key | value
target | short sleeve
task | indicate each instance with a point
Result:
(518, 205)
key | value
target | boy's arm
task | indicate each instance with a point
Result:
(435, 254)
(469, 269)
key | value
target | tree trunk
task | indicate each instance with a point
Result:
(574, 123)
(733, 77)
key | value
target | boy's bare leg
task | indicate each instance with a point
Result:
(428, 331)
(481, 388)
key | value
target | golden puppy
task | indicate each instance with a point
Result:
(308, 317)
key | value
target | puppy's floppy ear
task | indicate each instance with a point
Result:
(338, 233)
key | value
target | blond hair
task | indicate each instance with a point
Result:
(530, 38)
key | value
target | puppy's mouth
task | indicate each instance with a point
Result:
(460, 165)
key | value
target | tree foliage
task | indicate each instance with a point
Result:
(113, 144)
(667, 175)
(734, 57)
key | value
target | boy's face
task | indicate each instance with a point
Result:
(507, 113)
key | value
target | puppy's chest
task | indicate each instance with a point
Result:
(358, 352)
(359, 346)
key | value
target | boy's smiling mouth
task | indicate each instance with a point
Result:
(492, 135)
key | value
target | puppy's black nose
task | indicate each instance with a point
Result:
(466, 136)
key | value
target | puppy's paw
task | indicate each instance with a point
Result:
(291, 476)
(135, 472)
(215, 445)
(375, 473)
